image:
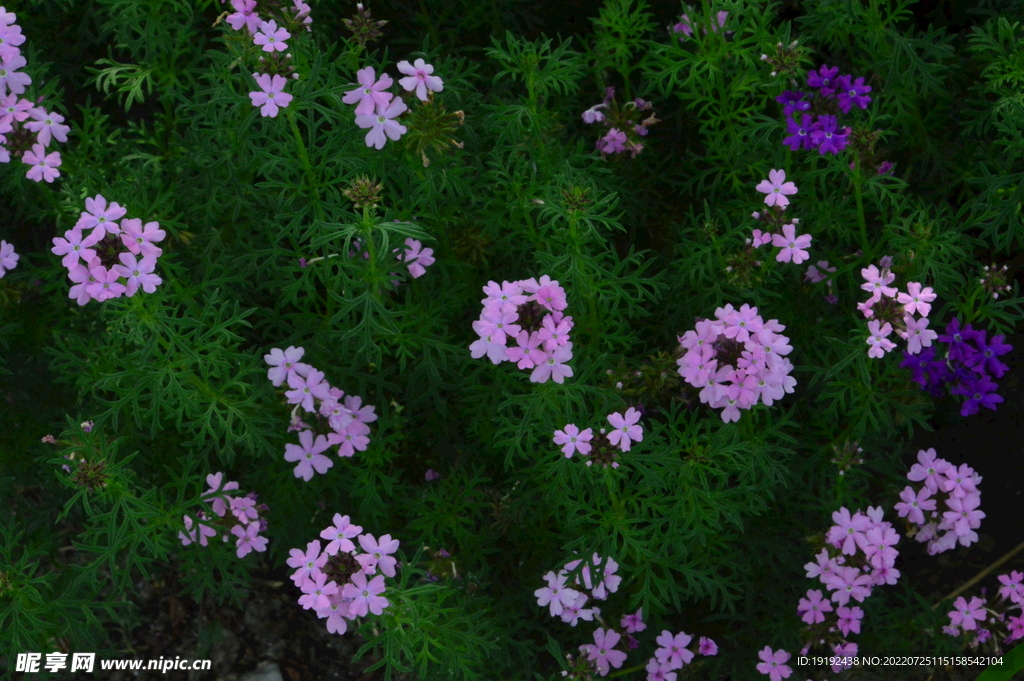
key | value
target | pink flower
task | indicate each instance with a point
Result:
(593, 114)
(913, 505)
(308, 455)
(657, 671)
(1012, 589)
(792, 245)
(917, 335)
(773, 664)
(554, 366)
(214, 481)
(283, 364)
(307, 564)
(381, 551)
(245, 15)
(44, 166)
(672, 649)
(249, 539)
(759, 238)
(419, 78)
(707, 647)
(10, 78)
(849, 619)
(10, 37)
(555, 595)
(964, 515)
(382, 123)
(340, 535)
(431, 475)
(106, 284)
(776, 188)
(352, 439)
(8, 258)
(366, 595)
(303, 390)
(602, 653)
(73, 246)
(626, 428)
(317, 591)
(916, 299)
(967, 615)
(417, 258)
(613, 142)
(574, 440)
(371, 96)
(271, 95)
(205, 531)
(137, 238)
(930, 469)
(102, 217)
(139, 274)
(551, 296)
(877, 339)
(878, 282)
(271, 38)
(48, 125)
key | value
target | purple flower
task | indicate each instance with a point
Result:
(986, 359)
(138, 273)
(44, 166)
(827, 136)
(366, 595)
(308, 455)
(371, 96)
(824, 79)
(793, 101)
(48, 125)
(799, 133)
(613, 142)
(602, 653)
(382, 123)
(967, 615)
(271, 96)
(773, 664)
(245, 15)
(852, 92)
(8, 258)
(271, 37)
(419, 78)
(776, 188)
(627, 430)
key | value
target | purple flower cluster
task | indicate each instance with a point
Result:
(334, 582)
(980, 620)
(8, 258)
(627, 123)
(968, 364)
(672, 653)
(626, 431)
(959, 491)
(91, 259)
(246, 519)
(377, 109)
(530, 312)
(343, 423)
(737, 360)
(18, 138)
(567, 602)
(812, 122)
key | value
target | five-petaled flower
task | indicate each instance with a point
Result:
(419, 79)
(271, 96)
(776, 188)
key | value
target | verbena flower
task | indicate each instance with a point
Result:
(271, 96)
(8, 258)
(776, 188)
(419, 78)
(382, 123)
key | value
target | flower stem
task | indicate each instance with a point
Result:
(858, 180)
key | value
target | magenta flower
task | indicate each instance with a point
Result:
(1012, 589)
(366, 595)
(776, 188)
(672, 650)
(8, 258)
(551, 296)
(813, 608)
(602, 653)
(849, 619)
(657, 671)
(824, 79)
(613, 142)
(419, 78)
(47, 126)
(138, 273)
(340, 535)
(382, 124)
(967, 615)
(271, 38)
(773, 664)
(244, 15)
(44, 166)
(574, 440)
(634, 622)
(272, 95)
(627, 430)
(308, 455)
(792, 246)
(249, 539)
(852, 92)
(707, 647)
(371, 96)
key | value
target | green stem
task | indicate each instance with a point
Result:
(314, 185)
(858, 179)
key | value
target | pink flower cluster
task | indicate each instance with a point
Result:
(271, 39)
(8, 258)
(627, 123)
(18, 138)
(339, 583)
(95, 262)
(737, 360)
(626, 431)
(567, 602)
(793, 248)
(894, 309)
(530, 312)
(672, 654)
(686, 29)
(957, 487)
(245, 519)
(968, 617)
(343, 423)
(377, 109)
